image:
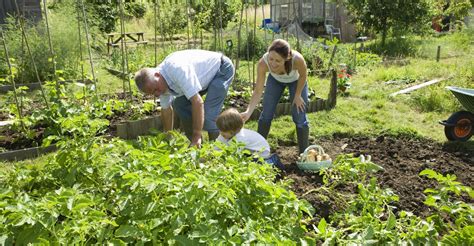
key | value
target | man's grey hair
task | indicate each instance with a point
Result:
(143, 76)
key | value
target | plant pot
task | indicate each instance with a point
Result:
(342, 89)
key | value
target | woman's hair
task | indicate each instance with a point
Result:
(230, 121)
(283, 48)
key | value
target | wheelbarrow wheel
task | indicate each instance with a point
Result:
(460, 126)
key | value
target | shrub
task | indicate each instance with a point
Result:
(318, 56)
(135, 9)
(395, 47)
(252, 48)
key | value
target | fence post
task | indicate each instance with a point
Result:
(332, 57)
(438, 53)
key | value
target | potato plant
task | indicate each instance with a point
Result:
(370, 216)
(155, 190)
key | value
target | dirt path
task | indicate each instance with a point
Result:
(402, 159)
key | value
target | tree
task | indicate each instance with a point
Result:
(456, 8)
(209, 14)
(383, 16)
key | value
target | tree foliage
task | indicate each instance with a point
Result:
(214, 14)
(172, 19)
(383, 16)
(456, 8)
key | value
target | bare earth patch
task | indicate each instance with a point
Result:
(402, 159)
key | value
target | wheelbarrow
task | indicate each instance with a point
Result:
(460, 125)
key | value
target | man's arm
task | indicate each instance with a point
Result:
(197, 106)
(167, 118)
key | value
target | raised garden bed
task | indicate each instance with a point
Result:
(131, 129)
(22, 154)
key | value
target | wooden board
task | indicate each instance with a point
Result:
(416, 87)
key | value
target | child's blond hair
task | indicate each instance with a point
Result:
(230, 121)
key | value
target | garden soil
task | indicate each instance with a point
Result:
(402, 159)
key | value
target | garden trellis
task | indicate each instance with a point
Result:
(12, 78)
(24, 36)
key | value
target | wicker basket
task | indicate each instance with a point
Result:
(303, 164)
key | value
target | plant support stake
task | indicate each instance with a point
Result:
(86, 29)
(7, 57)
(438, 53)
(22, 28)
(51, 50)
(125, 72)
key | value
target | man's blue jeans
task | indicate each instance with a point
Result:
(216, 92)
(273, 91)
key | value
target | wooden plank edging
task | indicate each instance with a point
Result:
(23, 154)
(135, 128)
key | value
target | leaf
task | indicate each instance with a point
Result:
(391, 222)
(370, 242)
(372, 167)
(322, 225)
(116, 241)
(430, 201)
(429, 190)
(127, 231)
(150, 206)
(17, 219)
(428, 172)
(82, 203)
(232, 230)
(368, 233)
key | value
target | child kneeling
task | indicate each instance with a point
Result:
(230, 125)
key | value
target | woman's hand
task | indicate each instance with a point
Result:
(299, 103)
(245, 115)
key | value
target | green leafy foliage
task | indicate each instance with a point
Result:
(443, 200)
(65, 111)
(457, 8)
(252, 48)
(173, 19)
(388, 15)
(155, 191)
(370, 216)
(135, 9)
(320, 59)
(214, 14)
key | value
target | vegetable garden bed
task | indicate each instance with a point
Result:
(402, 160)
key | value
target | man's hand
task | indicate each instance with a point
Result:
(196, 142)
